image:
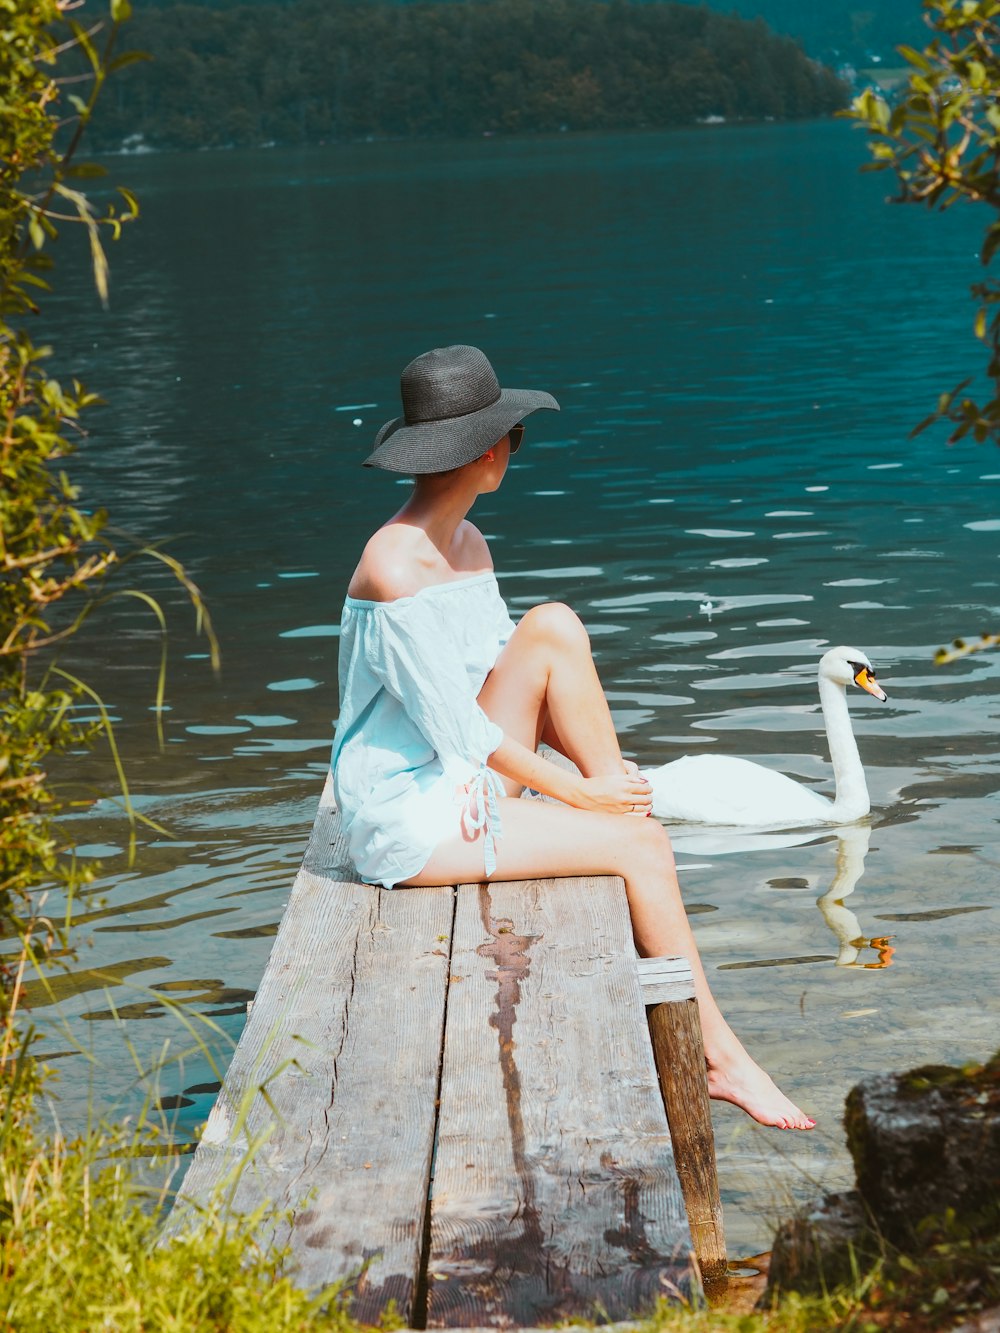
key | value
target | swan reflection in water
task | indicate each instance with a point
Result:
(852, 848)
(853, 841)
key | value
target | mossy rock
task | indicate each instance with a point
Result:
(962, 1081)
(926, 1143)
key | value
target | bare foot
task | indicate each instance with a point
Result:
(746, 1085)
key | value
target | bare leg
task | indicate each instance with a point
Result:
(545, 684)
(541, 839)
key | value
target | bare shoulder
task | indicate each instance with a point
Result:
(400, 560)
(475, 551)
(387, 568)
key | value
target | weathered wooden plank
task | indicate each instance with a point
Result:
(555, 1192)
(679, 1052)
(328, 1107)
(326, 851)
(665, 980)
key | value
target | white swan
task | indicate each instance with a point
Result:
(718, 789)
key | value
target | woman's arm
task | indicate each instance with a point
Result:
(619, 795)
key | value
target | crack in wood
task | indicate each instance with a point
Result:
(345, 1023)
(418, 1313)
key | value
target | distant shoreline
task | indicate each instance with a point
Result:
(519, 136)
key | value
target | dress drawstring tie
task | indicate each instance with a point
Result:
(481, 811)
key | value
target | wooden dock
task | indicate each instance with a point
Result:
(448, 1097)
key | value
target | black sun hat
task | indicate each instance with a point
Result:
(453, 411)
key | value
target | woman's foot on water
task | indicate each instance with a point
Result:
(746, 1085)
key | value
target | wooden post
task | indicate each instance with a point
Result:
(679, 1053)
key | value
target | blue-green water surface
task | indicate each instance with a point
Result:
(741, 332)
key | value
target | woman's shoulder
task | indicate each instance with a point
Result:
(385, 571)
(475, 552)
(399, 561)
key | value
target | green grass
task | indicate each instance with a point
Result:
(79, 1247)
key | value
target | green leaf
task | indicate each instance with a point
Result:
(132, 201)
(921, 426)
(915, 57)
(990, 243)
(127, 58)
(86, 170)
(99, 264)
(84, 42)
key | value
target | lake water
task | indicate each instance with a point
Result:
(742, 333)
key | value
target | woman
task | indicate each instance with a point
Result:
(444, 702)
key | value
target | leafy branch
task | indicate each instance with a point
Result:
(56, 557)
(941, 139)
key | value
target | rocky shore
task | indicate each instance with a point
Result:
(926, 1152)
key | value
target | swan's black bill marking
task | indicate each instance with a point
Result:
(865, 677)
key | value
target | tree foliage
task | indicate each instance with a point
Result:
(339, 69)
(830, 31)
(941, 138)
(55, 558)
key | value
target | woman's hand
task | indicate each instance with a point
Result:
(625, 795)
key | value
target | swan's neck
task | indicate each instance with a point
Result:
(851, 801)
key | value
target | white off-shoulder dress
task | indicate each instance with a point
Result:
(412, 744)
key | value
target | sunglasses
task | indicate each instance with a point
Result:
(516, 435)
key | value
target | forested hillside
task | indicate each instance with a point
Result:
(838, 29)
(319, 70)
(829, 29)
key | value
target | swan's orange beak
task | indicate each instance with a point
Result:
(866, 679)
